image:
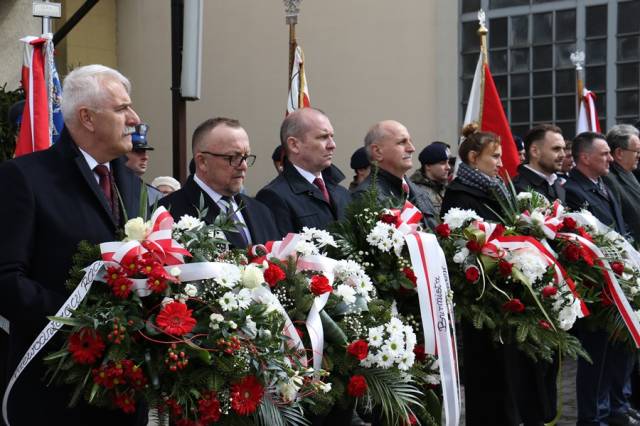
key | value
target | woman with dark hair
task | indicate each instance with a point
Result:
(500, 386)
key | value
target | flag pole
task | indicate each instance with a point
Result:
(301, 81)
(292, 10)
(482, 33)
(577, 58)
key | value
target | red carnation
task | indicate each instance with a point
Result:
(544, 324)
(246, 395)
(505, 268)
(617, 267)
(274, 274)
(357, 386)
(569, 223)
(549, 290)
(513, 305)
(410, 275)
(86, 346)
(320, 285)
(175, 319)
(388, 218)
(587, 255)
(358, 349)
(125, 402)
(472, 273)
(474, 246)
(584, 234)
(419, 352)
(443, 230)
(209, 408)
(572, 252)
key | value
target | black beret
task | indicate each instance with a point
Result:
(434, 153)
(359, 159)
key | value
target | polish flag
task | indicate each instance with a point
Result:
(299, 92)
(587, 114)
(34, 130)
(485, 108)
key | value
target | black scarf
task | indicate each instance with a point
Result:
(473, 178)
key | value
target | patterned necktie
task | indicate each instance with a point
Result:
(320, 184)
(227, 206)
(105, 182)
(405, 187)
(602, 189)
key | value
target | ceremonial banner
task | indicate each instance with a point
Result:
(299, 92)
(587, 114)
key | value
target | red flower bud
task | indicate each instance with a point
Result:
(388, 218)
(505, 268)
(410, 275)
(569, 223)
(549, 290)
(443, 230)
(474, 246)
(472, 274)
(544, 324)
(514, 305)
(617, 267)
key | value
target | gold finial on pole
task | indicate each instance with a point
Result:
(482, 32)
(292, 10)
(577, 58)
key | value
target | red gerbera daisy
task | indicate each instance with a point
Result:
(86, 346)
(246, 395)
(176, 319)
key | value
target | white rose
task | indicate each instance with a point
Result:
(324, 387)
(175, 271)
(252, 277)
(135, 229)
(191, 290)
(166, 301)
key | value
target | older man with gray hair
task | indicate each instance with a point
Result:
(77, 190)
(625, 149)
(390, 149)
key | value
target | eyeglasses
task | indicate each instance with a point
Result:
(234, 160)
(631, 150)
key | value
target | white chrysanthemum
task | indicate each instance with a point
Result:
(460, 256)
(252, 276)
(524, 196)
(306, 248)
(368, 361)
(229, 276)
(228, 301)
(393, 348)
(457, 217)
(433, 379)
(530, 262)
(190, 290)
(410, 338)
(215, 320)
(346, 293)
(386, 237)
(384, 359)
(344, 269)
(375, 336)
(394, 326)
(406, 361)
(187, 223)
(243, 298)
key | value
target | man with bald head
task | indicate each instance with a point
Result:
(222, 156)
(77, 190)
(390, 150)
(307, 192)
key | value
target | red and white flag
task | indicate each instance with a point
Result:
(34, 131)
(299, 92)
(485, 108)
(587, 114)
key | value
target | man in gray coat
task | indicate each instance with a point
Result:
(625, 149)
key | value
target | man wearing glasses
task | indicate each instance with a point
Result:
(307, 192)
(625, 147)
(222, 155)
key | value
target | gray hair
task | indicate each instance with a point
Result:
(375, 133)
(619, 135)
(84, 87)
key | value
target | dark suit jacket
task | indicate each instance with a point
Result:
(626, 188)
(466, 197)
(296, 203)
(527, 179)
(51, 202)
(582, 192)
(258, 217)
(390, 186)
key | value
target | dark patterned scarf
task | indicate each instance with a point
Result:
(475, 179)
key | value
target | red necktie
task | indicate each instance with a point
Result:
(320, 184)
(105, 181)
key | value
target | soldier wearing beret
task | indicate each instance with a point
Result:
(433, 174)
